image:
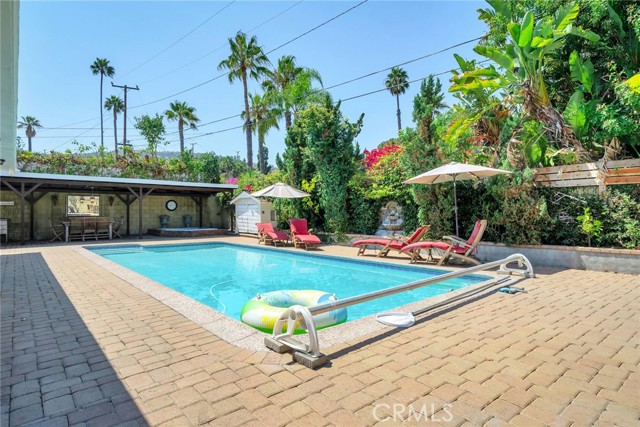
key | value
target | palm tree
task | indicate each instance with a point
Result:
(30, 123)
(397, 83)
(247, 59)
(115, 104)
(280, 82)
(184, 114)
(101, 66)
(264, 117)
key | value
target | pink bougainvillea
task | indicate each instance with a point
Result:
(248, 188)
(371, 158)
(233, 180)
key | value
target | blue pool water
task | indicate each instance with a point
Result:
(225, 276)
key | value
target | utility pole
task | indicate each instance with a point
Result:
(124, 131)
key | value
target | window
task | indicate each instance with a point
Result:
(83, 205)
(273, 215)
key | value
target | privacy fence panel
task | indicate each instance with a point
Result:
(597, 174)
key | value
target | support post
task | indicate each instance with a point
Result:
(22, 193)
(140, 196)
(32, 199)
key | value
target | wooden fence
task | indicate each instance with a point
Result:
(598, 174)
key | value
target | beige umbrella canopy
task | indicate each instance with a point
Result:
(454, 172)
(280, 190)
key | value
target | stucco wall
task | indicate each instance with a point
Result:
(153, 207)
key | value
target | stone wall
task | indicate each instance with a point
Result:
(153, 207)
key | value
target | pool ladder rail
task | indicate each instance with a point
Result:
(282, 340)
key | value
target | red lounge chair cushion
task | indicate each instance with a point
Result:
(267, 228)
(395, 244)
(309, 239)
(299, 226)
(430, 245)
(278, 235)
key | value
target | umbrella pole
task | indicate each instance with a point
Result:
(455, 202)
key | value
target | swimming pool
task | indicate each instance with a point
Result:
(225, 276)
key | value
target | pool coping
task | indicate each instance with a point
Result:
(241, 335)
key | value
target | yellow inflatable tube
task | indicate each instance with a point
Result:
(262, 311)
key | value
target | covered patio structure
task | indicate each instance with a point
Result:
(32, 187)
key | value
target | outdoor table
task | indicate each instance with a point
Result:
(67, 225)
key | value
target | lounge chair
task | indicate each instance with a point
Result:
(456, 247)
(268, 235)
(394, 242)
(301, 235)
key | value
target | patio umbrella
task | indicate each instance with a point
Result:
(280, 190)
(454, 172)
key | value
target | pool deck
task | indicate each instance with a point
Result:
(82, 346)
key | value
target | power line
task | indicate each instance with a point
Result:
(318, 26)
(428, 55)
(179, 40)
(271, 51)
(222, 45)
(412, 81)
(342, 100)
(326, 89)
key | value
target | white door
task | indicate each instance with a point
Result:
(247, 216)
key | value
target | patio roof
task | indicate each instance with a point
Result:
(31, 187)
(59, 182)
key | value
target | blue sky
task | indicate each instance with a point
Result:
(60, 40)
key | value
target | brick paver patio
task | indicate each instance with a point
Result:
(80, 345)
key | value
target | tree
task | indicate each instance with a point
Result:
(329, 139)
(29, 123)
(152, 128)
(184, 114)
(426, 106)
(101, 66)
(115, 104)
(263, 118)
(522, 60)
(289, 85)
(397, 83)
(421, 154)
(247, 60)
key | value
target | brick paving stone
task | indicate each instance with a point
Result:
(24, 415)
(310, 420)
(518, 397)
(342, 417)
(447, 392)
(502, 409)
(186, 396)
(59, 405)
(470, 413)
(252, 399)
(87, 396)
(25, 400)
(164, 415)
(24, 388)
(222, 392)
(569, 356)
(272, 415)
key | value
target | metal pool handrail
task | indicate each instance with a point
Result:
(284, 341)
